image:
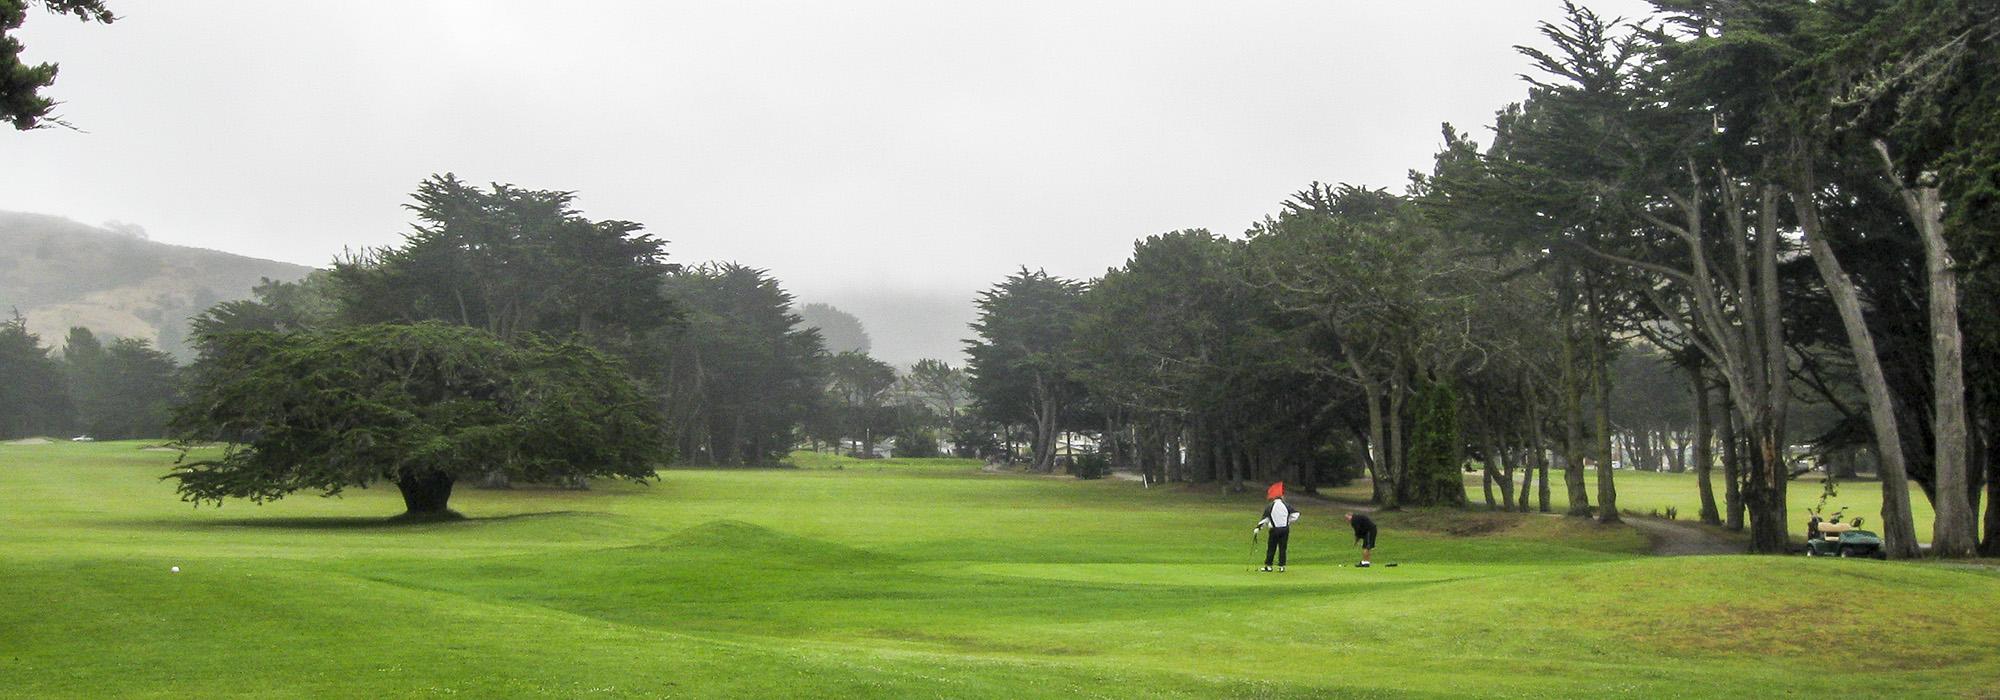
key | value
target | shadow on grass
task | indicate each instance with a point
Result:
(370, 523)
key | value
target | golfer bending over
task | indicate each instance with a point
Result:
(1364, 535)
(1279, 516)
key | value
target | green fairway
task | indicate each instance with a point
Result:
(917, 578)
(1654, 492)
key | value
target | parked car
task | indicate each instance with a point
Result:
(83, 438)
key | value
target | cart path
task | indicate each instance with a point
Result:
(1673, 538)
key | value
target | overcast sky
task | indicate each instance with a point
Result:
(855, 149)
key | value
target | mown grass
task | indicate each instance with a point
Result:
(1654, 492)
(914, 579)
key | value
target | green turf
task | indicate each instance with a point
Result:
(918, 578)
(1650, 492)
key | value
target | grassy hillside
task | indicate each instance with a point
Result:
(60, 273)
(910, 578)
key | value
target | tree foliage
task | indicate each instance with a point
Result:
(510, 260)
(839, 330)
(21, 100)
(740, 374)
(33, 397)
(420, 406)
(121, 391)
(1022, 361)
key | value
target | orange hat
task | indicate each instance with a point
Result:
(1276, 490)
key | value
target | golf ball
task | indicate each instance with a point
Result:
(177, 569)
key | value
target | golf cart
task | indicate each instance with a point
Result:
(1838, 539)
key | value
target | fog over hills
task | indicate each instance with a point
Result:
(907, 325)
(111, 279)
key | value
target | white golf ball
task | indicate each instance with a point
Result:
(177, 569)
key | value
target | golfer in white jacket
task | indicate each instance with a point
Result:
(1278, 516)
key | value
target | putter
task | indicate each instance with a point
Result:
(1253, 552)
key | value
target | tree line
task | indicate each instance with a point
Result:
(509, 337)
(1784, 201)
(121, 389)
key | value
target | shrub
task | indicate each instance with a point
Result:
(1091, 466)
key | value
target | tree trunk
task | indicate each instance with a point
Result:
(1732, 473)
(425, 495)
(1527, 479)
(1667, 452)
(1842, 465)
(1764, 495)
(1393, 491)
(1541, 463)
(1600, 384)
(1579, 497)
(1368, 465)
(1704, 460)
(1506, 479)
(1376, 444)
(1486, 476)
(1046, 432)
(1236, 468)
(1982, 463)
(1955, 533)
(1899, 535)
(1677, 451)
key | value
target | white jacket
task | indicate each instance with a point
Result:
(1278, 514)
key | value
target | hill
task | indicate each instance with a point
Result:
(60, 273)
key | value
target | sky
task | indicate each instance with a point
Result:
(890, 158)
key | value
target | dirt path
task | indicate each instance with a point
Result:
(1672, 538)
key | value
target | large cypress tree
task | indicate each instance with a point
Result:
(418, 406)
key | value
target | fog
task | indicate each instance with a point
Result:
(889, 158)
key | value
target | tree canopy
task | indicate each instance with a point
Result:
(21, 100)
(420, 406)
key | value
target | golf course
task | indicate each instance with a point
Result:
(916, 578)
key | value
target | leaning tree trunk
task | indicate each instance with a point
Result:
(425, 494)
(1956, 529)
(1899, 534)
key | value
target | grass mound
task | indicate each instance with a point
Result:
(927, 578)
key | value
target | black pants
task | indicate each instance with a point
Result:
(1280, 536)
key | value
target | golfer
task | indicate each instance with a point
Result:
(1364, 535)
(1279, 516)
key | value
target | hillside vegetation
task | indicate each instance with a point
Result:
(60, 273)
